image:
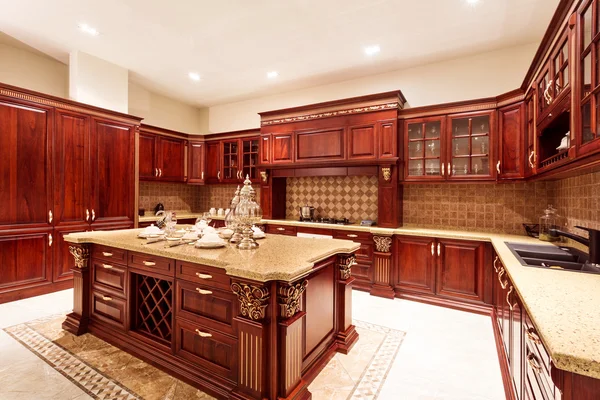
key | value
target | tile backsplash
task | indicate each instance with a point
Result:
(352, 197)
(174, 196)
(220, 196)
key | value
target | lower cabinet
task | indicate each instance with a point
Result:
(363, 269)
(460, 269)
(415, 264)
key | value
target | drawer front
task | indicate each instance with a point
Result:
(281, 230)
(152, 263)
(354, 236)
(316, 231)
(362, 271)
(538, 362)
(537, 381)
(207, 348)
(108, 308)
(204, 275)
(207, 306)
(109, 277)
(109, 254)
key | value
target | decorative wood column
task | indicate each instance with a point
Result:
(272, 195)
(389, 197)
(382, 263)
(77, 321)
(346, 332)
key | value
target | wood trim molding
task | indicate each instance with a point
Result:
(145, 128)
(40, 98)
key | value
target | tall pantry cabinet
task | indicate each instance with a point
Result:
(64, 167)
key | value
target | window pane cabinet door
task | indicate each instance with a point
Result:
(231, 166)
(469, 146)
(424, 149)
(250, 159)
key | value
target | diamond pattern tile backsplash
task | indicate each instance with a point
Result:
(352, 197)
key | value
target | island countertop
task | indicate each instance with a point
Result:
(279, 257)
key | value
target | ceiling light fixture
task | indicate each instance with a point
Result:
(88, 29)
(272, 74)
(194, 76)
(472, 2)
(372, 50)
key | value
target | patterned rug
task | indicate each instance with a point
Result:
(104, 372)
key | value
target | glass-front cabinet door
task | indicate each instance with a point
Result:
(250, 159)
(589, 48)
(469, 146)
(231, 168)
(424, 149)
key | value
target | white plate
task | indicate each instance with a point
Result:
(209, 245)
(260, 236)
(146, 235)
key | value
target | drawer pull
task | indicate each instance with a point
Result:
(281, 229)
(503, 284)
(107, 266)
(203, 291)
(510, 305)
(533, 336)
(107, 254)
(203, 334)
(203, 276)
(432, 251)
(106, 298)
(149, 263)
(533, 363)
(351, 235)
(496, 262)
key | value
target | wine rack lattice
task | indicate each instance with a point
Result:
(154, 300)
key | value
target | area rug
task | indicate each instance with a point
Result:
(105, 372)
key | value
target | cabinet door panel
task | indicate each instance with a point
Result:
(25, 259)
(460, 272)
(415, 264)
(250, 158)
(213, 162)
(265, 149)
(511, 143)
(112, 172)
(172, 159)
(148, 158)
(388, 140)
(320, 145)
(25, 168)
(283, 147)
(361, 142)
(196, 164)
(63, 260)
(71, 169)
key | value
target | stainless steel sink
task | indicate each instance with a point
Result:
(552, 257)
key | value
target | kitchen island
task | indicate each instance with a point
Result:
(236, 324)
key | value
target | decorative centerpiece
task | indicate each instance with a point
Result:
(230, 220)
(247, 213)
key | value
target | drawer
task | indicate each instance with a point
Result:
(362, 271)
(281, 230)
(352, 235)
(108, 308)
(110, 254)
(206, 306)
(148, 262)
(538, 382)
(207, 348)
(202, 274)
(534, 341)
(316, 231)
(111, 278)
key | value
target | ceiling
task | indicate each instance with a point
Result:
(232, 44)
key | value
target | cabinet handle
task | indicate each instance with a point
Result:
(160, 172)
(533, 336)
(203, 276)
(510, 305)
(219, 175)
(503, 284)
(106, 298)
(203, 334)
(495, 262)
(107, 266)
(155, 171)
(432, 251)
(532, 361)
(530, 161)
(93, 215)
(202, 175)
(498, 167)
(351, 235)
(438, 249)
(281, 229)
(50, 240)
(449, 170)
(50, 217)
(106, 254)
(443, 166)
(202, 291)
(149, 263)
(87, 214)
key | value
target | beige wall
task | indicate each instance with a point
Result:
(166, 112)
(482, 75)
(23, 68)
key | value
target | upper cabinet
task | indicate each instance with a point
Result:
(196, 162)
(232, 160)
(511, 142)
(452, 147)
(162, 155)
(554, 81)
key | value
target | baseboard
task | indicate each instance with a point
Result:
(24, 293)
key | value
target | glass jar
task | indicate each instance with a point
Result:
(549, 221)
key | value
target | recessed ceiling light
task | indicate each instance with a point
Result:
(88, 29)
(272, 74)
(194, 76)
(372, 50)
(472, 2)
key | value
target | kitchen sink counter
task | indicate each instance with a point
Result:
(278, 257)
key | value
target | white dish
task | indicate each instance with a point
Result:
(255, 236)
(209, 245)
(144, 235)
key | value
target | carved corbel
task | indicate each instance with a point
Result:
(382, 243)
(387, 173)
(81, 255)
(264, 176)
(345, 265)
(288, 297)
(253, 300)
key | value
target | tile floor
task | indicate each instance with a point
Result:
(446, 354)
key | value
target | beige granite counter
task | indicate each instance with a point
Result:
(180, 215)
(278, 257)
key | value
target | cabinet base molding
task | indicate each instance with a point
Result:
(384, 291)
(504, 367)
(483, 309)
(346, 340)
(19, 294)
(75, 324)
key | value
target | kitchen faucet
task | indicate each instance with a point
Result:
(593, 243)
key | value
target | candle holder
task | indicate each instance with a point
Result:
(231, 221)
(247, 213)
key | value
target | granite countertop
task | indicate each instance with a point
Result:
(180, 215)
(279, 257)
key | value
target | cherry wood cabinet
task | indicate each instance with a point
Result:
(362, 142)
(283, 148)
(512, 142)
(315, 145)
(148, 157)
(265, 149)
(197, 162)
(171, 159)
(424, 149)
(363, 269)
(161, 157)
(213, 162)
(530, 134)
(415, 264)
(460, 272)
(231, 160)
(387, 139)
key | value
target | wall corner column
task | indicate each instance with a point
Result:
(382, 263)
(346, 335)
